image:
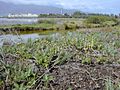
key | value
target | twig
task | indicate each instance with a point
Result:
(44, 74)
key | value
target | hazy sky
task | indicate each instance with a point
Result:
(104, 6)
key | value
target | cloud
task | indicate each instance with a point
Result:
(85, 5)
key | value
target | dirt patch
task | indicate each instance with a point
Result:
(75, 76)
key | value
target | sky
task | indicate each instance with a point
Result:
(99, 6)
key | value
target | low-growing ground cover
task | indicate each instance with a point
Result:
(74, 61)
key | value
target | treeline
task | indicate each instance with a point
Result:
(50, 15)
(76, 14)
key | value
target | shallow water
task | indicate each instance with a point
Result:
(25, 35)
(16, 39)
(7, 21)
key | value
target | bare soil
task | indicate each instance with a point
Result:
(75, 76)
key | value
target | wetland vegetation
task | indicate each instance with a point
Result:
(35, 64)
(87, 57)
(92, 21)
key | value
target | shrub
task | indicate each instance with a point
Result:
(46, 21)
(101, 20)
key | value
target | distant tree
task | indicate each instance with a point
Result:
(116, 16)
(112, 15)
(77, 14)
(66, 14)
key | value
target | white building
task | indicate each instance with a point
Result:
(22, 15)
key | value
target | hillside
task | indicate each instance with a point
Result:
(7, 8)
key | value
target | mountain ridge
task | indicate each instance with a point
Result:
(6, 8)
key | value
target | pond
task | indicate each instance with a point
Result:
(8, 21)
(25, 35)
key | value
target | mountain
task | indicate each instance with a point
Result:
(6, 8)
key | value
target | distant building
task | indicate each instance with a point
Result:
(22, 15)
